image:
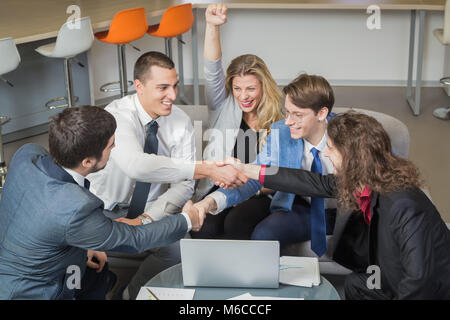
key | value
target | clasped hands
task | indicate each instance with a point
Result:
(229, 173)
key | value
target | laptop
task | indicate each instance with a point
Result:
(230, 263)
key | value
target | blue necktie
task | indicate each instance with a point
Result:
(141, 189)
(318, 223)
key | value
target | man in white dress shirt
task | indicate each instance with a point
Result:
(164, 170)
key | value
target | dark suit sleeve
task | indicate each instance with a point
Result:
(90, 229)
(300, 182)
(414, 235)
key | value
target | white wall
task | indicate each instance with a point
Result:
(334, 43)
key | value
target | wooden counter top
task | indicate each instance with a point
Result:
(32, 20)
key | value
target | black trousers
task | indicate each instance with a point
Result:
(356, 288)
(236, 223)
(291, 226)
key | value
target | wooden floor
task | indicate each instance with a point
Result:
(430, 147)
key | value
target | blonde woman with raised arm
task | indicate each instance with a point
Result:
(243, 103)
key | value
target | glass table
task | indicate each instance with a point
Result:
(173, 278)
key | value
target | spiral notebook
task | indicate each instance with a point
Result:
(157, 293)
(299, 271)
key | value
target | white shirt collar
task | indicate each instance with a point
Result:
(321, 146)
(76, 176)
(144, 117)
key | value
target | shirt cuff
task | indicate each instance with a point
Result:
(188, 220)
(262, 173)
(221, 201)
(188, 170)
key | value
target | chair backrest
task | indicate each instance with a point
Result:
(128, 25)
(74, 37)
(199, 115)
(10, 57)
(398, 132)
(176, 20)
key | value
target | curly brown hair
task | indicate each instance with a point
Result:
(367, 159)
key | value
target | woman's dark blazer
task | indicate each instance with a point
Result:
(407, 237)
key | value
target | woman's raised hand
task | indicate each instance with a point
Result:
(216, 14)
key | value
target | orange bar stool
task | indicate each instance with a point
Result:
(126, 26)
(175, 21)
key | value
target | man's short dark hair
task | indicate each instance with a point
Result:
(79, 132)
(149, 59)
(310, 91)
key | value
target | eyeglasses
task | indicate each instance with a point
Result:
(295, 116)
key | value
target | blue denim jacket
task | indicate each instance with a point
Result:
(280, 150)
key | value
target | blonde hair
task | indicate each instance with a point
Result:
(269, 108)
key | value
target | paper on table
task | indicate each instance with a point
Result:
(165, 294)
(299, 271)
(248, 296)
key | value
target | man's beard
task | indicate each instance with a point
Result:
(97, 168)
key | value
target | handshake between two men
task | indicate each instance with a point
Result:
(230, 173)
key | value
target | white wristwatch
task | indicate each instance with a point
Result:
(144, 219)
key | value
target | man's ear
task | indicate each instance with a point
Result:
(323, 113)
(88, 163)
(138, 85)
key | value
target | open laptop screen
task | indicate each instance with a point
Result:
(230, 263)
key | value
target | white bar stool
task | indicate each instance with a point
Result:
(10, 57)
(73, 38)
(443, 35)
(10, 60)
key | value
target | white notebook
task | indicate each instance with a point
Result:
(249, 296)
(299, 271)
(150, 293)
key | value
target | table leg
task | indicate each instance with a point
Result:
(415, 102)
(195, 57)
(412, 33)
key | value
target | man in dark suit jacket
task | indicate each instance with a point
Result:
(49, 219)
(390, 223)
